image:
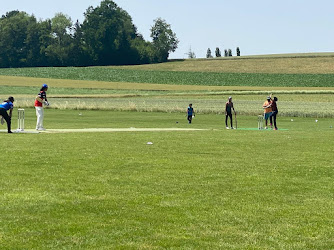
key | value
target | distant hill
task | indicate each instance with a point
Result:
(265, 71)
(304, 63)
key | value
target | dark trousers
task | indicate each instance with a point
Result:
(7, 118)
(190, 117)
(273, 116)
(226, 117)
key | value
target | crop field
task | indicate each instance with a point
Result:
(208, 188)
(112, 74)
(274, 64)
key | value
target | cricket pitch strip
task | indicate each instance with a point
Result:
(90, 130)
(106, 130)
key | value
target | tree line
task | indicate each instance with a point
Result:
(227, 52)
(107, 36)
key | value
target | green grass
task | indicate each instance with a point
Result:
(211, 189)
(96, 92)
(214, 189)
(176, 77)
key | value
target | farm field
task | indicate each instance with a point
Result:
(207, 189)
(202, 78)
(284, 71)
(215, 188)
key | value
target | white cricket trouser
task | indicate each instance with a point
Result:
(40, 117)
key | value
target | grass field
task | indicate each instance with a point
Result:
(202, 189)
(208, 189)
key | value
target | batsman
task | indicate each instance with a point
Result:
(39, 101)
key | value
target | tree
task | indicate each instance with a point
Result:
(164, 39)
(108, 33)
(13, 34)
(238, 51)
(225, 53)
(59, 48)
(61, 26)
(208, 53)
(23, 40)
(218, 54)
(145, 52)
(107, 36)
(37, 40)
(229, 52)
(191, 54)
(45, 39)
(77, 54)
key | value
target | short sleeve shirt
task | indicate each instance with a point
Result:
(42, 95)
(6, 105)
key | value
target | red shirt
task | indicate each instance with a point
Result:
(42, 95)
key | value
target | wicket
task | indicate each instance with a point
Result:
(20, 120)
(260, 122)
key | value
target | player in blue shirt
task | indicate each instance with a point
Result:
(190, 113)
(4, 107)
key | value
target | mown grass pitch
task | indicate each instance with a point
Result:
(196, 189)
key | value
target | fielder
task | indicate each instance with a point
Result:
(190, 113)
(41, 100)
(228, 112)
(4, 107)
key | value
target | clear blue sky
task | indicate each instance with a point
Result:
(256, 26)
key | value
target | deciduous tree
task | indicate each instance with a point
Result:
(164, 39)
(107, 33)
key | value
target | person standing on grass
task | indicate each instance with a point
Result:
(4, 107)
(267, 106)
(274, 112)
(39, 101)
(190, 113)
(228, 112)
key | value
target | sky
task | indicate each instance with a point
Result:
(257, 27)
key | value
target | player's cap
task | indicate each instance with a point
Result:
(230, 97)
(44, 86)
(11, 99)
(268, 98)
(275, 99)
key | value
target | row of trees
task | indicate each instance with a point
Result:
(227, 53)
(107, 36)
